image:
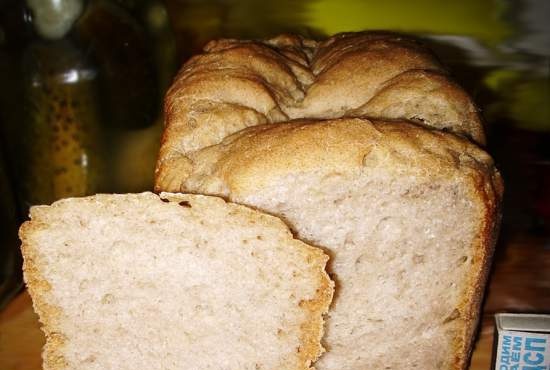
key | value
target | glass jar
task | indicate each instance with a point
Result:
(59, 140)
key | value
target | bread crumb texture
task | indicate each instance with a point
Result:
(139, 281)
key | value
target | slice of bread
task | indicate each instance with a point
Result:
(178, 281)
(408, 215)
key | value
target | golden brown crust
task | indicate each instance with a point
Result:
(350, 68)
(420, 96)
(238, 83)
(490, 188)
(49, 315)
(314, 329)
(244, 162)
(331, 50)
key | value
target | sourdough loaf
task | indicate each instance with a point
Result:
(407, 211)
(237, 83)
(178, 281)
(408, 216)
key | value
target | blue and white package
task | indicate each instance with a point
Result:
(522, 342)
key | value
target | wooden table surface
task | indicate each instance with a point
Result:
(520, 282)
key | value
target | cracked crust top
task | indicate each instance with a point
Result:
(235, 84)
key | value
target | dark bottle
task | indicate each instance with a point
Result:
(135, 50)
(125, 58)
(15, 34)
(154, 16)
(10, 257)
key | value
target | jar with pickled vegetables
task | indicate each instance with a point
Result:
(58, 140)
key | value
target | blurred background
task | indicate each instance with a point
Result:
(81, 92)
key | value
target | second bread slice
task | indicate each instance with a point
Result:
(173, 282)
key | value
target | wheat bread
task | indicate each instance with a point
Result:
(345, 140)
(139, 281)
(235, 84)
(408, 216)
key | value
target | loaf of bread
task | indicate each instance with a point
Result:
(174, 282)
(407, 214)
(237, 83)
(367, 149)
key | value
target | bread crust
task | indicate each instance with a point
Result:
(250, 158)
(290, 77)
(49, 314)
(490, 189)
